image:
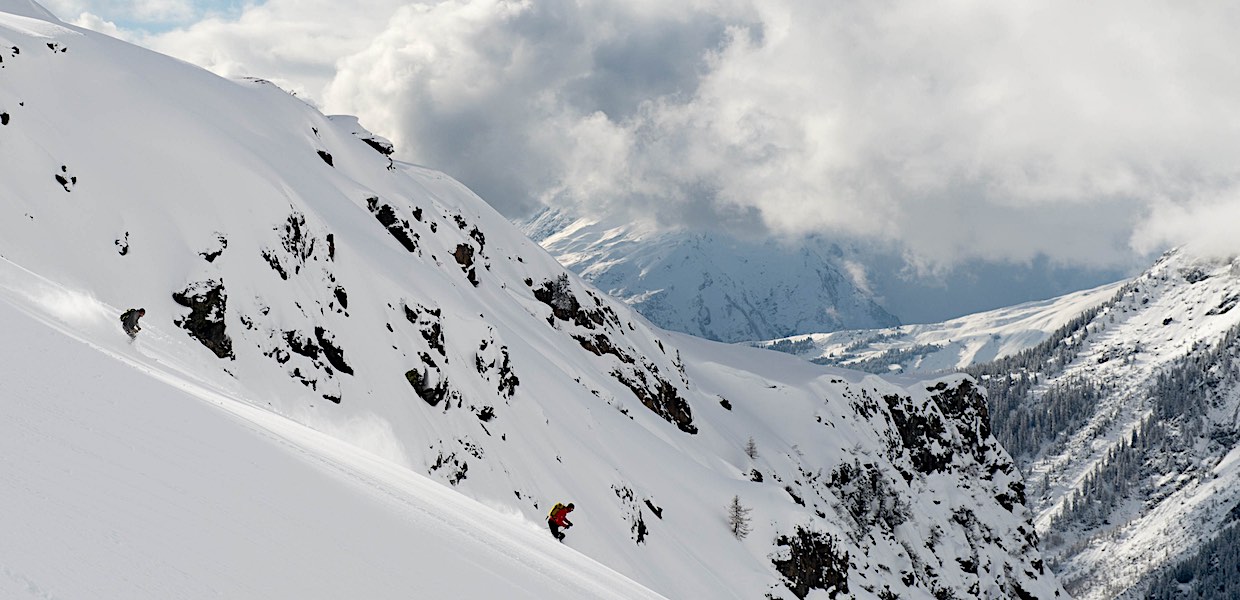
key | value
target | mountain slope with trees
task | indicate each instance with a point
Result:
(1120, 408)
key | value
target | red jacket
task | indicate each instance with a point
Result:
(560, 517)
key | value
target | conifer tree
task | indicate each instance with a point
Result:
(738, 518)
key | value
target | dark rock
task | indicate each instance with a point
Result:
(664, 400)
(211, 255)
(922, 435)
(600, 344)
(327, 157)
(428, 323)
(333, 353)
(398, 228)
(813, 562)
(924, 429)
(381, 147)
(508, 380)
(639, 529)
(302, 346)
(965, 406)
(464, 256)
(207, 301)
(296, 240)
(420, 380)
(1194, 274)
(658, 511)
(457, 469)
(1229, 302)
(274, 262)
(564, 305)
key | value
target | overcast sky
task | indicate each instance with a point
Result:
(1079, 133)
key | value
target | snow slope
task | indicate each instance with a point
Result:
(288, 264)
(710, 285)
(127, 480)
(1121, 404)
(946, 346)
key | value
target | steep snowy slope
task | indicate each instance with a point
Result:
(124, 480)
(709, 285)
(285, 260)
(947, 346)
(1125, 422)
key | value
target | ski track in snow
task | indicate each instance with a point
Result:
(481, 531)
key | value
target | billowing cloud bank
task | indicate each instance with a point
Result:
(964, 130)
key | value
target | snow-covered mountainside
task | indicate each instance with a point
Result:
(710, 285)
(1122, 406)
(288, 264)
(124, 479)
(1125, 421)
(948, 346)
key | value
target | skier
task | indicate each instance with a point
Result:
(129, 321)
(558, 517)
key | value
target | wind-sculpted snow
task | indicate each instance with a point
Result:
(284, 259)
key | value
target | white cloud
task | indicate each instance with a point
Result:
(136, 11)
(97, 23)
(966, 129)
(1207, 227)
(294, 43)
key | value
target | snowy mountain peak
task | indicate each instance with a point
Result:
(292, 271)
(711, 285)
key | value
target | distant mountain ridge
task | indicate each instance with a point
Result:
(948, 346)
(712, 285)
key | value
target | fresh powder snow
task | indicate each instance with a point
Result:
(123, 478)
